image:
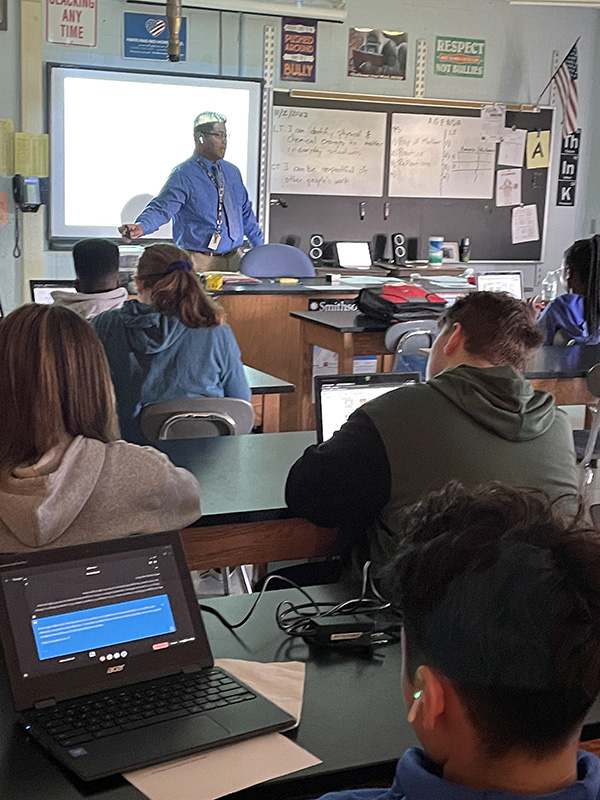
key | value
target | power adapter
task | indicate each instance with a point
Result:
(350, 630)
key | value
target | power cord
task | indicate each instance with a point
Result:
(345, 624)
(17, 248)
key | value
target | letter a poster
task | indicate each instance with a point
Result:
(298, 49)
(73, 22)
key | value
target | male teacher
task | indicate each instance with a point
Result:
(207, 201)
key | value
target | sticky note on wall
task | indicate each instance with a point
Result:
(538, 149)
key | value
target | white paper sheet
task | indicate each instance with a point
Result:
(525, 226)
(207, 776)
(492, 121)
(508, 187)
(512, 147)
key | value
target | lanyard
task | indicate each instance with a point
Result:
(220, 187)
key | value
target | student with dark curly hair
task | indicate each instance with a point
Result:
(500, 602)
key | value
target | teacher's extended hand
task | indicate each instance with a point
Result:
(129, 232)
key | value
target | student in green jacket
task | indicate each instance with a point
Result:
(475, 419)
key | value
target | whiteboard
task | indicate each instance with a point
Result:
(327, 152)
(440, 156)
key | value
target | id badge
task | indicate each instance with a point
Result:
(215, 241)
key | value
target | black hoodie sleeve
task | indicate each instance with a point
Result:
(343, 482)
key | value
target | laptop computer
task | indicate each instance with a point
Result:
(509, 282)
(41, 291)
(353, 255)
(108, 660)
(337, 396)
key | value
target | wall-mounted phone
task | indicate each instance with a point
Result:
(26, 192)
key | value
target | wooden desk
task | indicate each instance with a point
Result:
(558, 370)
(266, 397)
(242, 487)
(269, 338)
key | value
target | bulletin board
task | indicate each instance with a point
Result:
(336, 213)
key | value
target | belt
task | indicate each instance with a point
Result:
(216, 255)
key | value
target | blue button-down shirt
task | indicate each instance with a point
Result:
(191, 200)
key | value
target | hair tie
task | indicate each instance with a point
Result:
(177, 265)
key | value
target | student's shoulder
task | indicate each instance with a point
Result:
(107, 319)
(137, 461)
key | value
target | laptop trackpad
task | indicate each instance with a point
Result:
(151, 745)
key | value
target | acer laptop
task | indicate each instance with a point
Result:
(108, 660)
(337, 396)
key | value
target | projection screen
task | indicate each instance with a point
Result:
(115, 136)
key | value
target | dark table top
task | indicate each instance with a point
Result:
(342, 321)
(242, 478)
(263, 383)
(563, 362)
(342, 690)
(309, 286)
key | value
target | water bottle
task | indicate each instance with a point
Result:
(550, 286)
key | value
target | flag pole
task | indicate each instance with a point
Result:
(556, 71)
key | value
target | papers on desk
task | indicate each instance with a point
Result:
(448, 281)
(208, 776)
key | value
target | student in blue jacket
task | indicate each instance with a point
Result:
(500, 600)
(576, 314)
(171, 343)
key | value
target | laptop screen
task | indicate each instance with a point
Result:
(41, 291)
(83, 616)
(337, 396)
(356, 255)
(509, 282)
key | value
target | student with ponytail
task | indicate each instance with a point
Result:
(576, 314)
(171, 343)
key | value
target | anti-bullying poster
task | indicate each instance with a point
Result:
(298, 49)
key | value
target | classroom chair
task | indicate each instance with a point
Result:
(277, 261)
(197, 417)
(406, 339)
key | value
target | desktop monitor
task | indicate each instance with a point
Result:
(509, 282)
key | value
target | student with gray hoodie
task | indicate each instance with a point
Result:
(475, 419)
(96, 263)
(170, 344)
(65, 477)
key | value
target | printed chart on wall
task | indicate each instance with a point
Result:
(440, 156)
(327, 152)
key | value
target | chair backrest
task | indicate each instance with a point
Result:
(407, 338)
(562, 339)
(277, 261)
(196, 417)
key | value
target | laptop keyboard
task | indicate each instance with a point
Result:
(74, 722)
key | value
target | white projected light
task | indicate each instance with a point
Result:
(116, 136)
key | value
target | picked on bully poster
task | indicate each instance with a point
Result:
(298, 49)
(377, 54)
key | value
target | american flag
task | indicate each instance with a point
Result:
(566, 83)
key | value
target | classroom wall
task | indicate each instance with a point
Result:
(519, 45)
(10, 272)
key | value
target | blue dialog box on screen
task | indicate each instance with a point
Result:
(93, 628)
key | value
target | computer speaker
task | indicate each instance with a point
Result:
(378, 246)
(412, 248)
(315, 251)
(398, 249)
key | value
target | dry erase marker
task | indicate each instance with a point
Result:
(386, 210)
(361, 209)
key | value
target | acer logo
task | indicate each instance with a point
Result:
(116, 668)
